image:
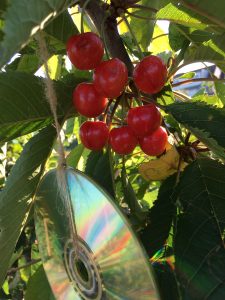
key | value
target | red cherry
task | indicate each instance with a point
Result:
(85, 50)
(94, 135)
(144, 120)
(154, 144)
(110, 77)
(122, 140)
(87, 101)
(150, 74)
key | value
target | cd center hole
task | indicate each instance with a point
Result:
(82, 270)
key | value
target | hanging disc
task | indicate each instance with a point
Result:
(109, 262)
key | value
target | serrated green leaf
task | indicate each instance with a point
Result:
(220, 91)
(143, 29)
(214, 12)
(23, 19)
(16, 196)
(212, 50)
(199, 239)
(209, 99)
(62, 28)
(206, 122)
(131, 200)
(28, 63)
(24, 107)
(75, 155)
(98, 167)
(159, 42)
(172, 13)
(155, 234)
(166, 96)
(188, 75)
(176, 37)
(38, 287)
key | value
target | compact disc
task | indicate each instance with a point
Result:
(108, 262)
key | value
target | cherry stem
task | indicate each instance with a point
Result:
(82, 16)
(107, 109)
(114, 109)
(117, 119)
(181, 96)
(140, 17)
(103, 35)
(133, 36)
(202, 150)
(174, 71)
(178, 170)
(159, 36)
(187, 138)
(30, 263)
(144, 7)
(197, 80)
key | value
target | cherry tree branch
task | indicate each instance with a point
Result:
(30, 263)
(114, 43)
(197, 80)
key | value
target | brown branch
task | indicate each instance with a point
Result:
(197, 80)
(114, 43)
(30, 263)
(144, 7)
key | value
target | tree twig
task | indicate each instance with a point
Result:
(114, 42)
(197, 80)
(30, 263)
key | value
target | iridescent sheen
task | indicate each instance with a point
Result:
(123, 270)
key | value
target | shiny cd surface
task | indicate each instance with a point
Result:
(109, 262)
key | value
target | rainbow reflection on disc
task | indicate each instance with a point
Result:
(109, 262)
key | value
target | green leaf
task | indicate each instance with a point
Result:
(212, 50)
(75, 155)
(24, 107)
(38, 287)
(176, 37)
(155, 234)
(206, 122)
(213, 11)
(159, 42)
(220, 91)
(209, 99)
(166, 281)
(199, 240)
(130, 198)
(166, 96)
(62, 28)
(172, 13)
(143, 29)
(179, 34)
(28, 63)
(23, 19)
(16, 196)
(98, 167)
(188, 75)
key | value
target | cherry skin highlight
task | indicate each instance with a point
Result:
(154, 144)
(85, 50)
(144, 120)
(150, 74)
(94, 135)
(122, 140)
(87, 101)
(110, 78)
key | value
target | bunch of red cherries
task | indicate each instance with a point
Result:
(110, 79)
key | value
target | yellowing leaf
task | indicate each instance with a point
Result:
(162, 167)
